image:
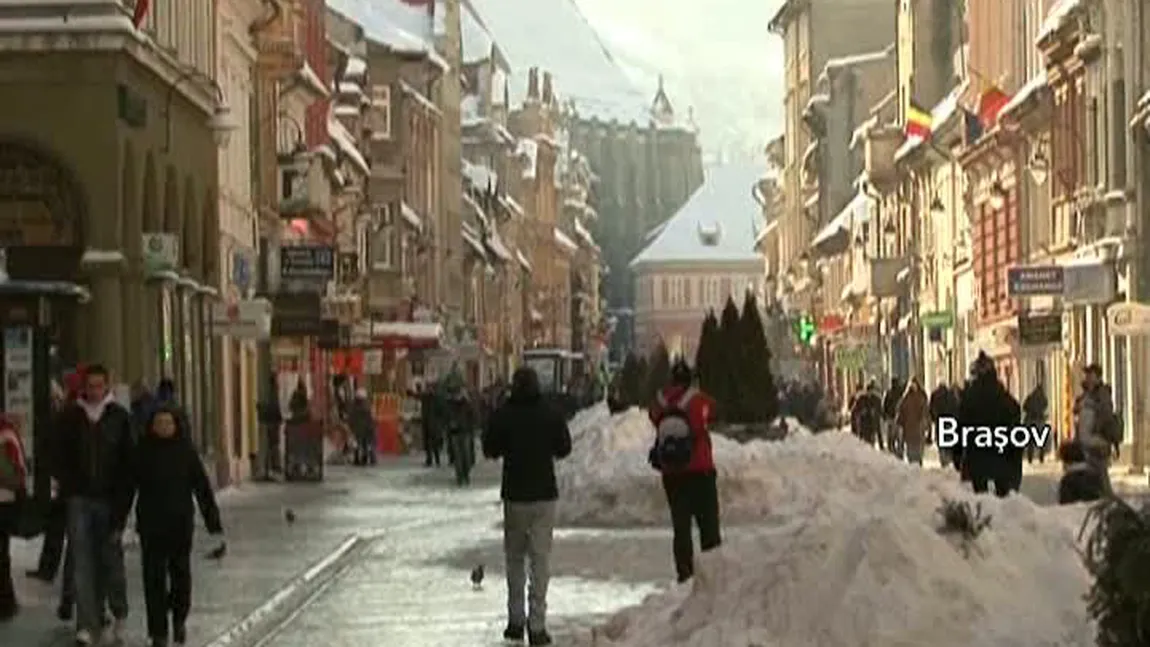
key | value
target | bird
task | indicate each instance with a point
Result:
(289, 516)
(218, 552)
(477, 577)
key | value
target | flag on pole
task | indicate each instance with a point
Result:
(918, 121)
(990, 103)
(140, 12)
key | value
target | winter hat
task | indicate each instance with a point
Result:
(681, 372)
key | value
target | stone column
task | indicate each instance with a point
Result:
(136, 348)
(105, 328)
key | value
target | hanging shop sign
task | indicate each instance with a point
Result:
(1039, 329)
(1129, 319)
(296, 315)
(303, 262)
(1035, 281)
(249, 319)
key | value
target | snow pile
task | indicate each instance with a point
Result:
(845, 552)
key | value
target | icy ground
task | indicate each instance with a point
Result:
(845, 552)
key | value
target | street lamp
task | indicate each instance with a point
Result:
(223, 123)
(1039, 167)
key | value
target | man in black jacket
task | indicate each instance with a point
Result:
(92, 465)
(529, 436)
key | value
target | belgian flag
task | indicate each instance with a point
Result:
(918, 121)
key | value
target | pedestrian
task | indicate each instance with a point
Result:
(52, 551)
(13, 492)
(166, 477)
(987, 403)
(363, 428)
(944, 403)
(460, 417)
(271, 423)
(889, 411)
(92, 464)
(682, 453)
(1081, 482)
(143, 402)
(429, 424)
(1096, 427)
(913, 419)
(1034, 410)
(529, 436)
(866, 414)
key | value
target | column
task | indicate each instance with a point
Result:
(105, 329)
(135, 363)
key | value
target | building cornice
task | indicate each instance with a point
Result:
(785, 15)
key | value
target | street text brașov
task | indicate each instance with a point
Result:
(949, 434)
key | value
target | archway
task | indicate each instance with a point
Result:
(41, 201)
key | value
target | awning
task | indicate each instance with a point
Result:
(406, 334)
(45, 288)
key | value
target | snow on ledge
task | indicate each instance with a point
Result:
(409, 214)
(1028, 90)
(101, 256)
(419, 98)
(1056, 18)
(346, 144)
(565, 241)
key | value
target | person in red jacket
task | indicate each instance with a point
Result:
(683, 455)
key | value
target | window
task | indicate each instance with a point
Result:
(664, 293)
(379, 117)
(687, 292)
(383, 239)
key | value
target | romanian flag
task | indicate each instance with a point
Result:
(140, 12)
(918, 121)
(990, 103)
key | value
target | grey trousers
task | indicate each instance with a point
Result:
(98, 559)
(527, 532)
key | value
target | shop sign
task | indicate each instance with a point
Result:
(315, 262)
(1035, 281)
(941, 320)
(296, 315)
(831, 323)
(373, 361)
(161, 252)
(1039, 330)
(1090, 282)
(249, 319)
(1129, 319)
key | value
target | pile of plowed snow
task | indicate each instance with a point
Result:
(848, 553)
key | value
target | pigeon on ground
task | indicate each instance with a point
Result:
(289, 516)
(477, 576)
(218, 552)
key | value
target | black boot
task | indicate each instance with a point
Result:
(536, 638)
(514, 632)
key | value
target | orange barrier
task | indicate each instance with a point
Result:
(386, 412)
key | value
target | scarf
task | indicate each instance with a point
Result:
(96, 411)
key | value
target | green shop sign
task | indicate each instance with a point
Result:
(943, 319)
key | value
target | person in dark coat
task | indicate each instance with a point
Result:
(889, 411)
(166, 477)
(363, 428)
(1034, 412)
(429, 421)
(461, 422)
(271, 424)
(986, 403)
(866, 414)
(529, 436)
(1081, 481)
(13, 491)
(944, 403)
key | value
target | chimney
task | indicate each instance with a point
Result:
(548, 97)
(533, 83)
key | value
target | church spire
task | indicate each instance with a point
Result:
(661, 110)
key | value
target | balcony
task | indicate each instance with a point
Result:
(881, 144)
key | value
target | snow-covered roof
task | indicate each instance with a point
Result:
(395, 24)
(523, 262)
(346, 144)
(477, 40)
(419, 97)
(1057, 17)
(1028, 89)
(723, 205)
(836, 64)
(565, 241)
(854, 213)
(356, 67)
(554, 36)
(480, 176)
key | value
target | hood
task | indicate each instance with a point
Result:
(166, 390)
(525, 386)
(181, 433)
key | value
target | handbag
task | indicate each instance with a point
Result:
(31, 517)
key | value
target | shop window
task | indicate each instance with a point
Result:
(379, 117)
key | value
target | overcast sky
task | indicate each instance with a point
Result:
(717, 56)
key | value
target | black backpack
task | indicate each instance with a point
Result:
(674, 435)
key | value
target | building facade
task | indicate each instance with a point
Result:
(698, 260)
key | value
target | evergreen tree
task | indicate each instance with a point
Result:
(728, 358)
(631, 380)
(658, 371)
(759, 399)
(705, 360)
